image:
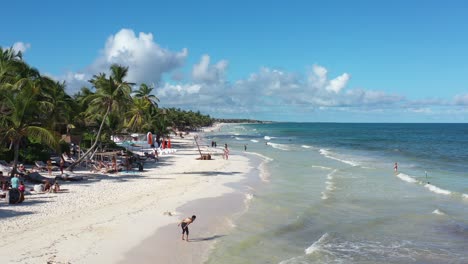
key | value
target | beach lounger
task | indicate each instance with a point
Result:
(43, 166)
(40, 165)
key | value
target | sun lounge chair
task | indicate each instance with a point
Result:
(43, 167)
(5, 167)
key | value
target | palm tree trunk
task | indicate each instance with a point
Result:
(16, 155)
(74, 164)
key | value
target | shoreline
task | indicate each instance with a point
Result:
(214, 221)
(102, 219)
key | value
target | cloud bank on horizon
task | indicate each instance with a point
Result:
(264, 94)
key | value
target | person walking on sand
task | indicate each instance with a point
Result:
(395, 167)
(184, 224)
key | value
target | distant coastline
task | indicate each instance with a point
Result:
(235, 120)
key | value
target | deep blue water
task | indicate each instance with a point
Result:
(431, 146)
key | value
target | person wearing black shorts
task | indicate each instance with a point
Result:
(184, 224)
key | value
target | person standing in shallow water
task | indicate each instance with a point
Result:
(184, 224)
(226, 152)
(395, 167)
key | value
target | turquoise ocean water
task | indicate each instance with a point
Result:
(330, 195)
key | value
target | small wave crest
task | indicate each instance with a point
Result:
(279, 146)
(306, 146)
(264, 173)
(331, 249)
(238, 138)
(438, 212)
(329, 185)
(267, 138)
(328, 154)
(321, 167)
(265, 158)
(317, 244)
(436, 189)
(254, 140)
(428, 186)
(248, 198)
(406, 178)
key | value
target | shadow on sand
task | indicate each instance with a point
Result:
(201, 239)
(212, 173)
(5, 213)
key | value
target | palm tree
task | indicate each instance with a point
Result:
(21, 111)
(145, 92)
(10, 63)
(139, 115)
(112, 94)
(58, 104)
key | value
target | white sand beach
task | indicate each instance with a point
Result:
(107, 218)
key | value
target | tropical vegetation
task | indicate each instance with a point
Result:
(37, 114)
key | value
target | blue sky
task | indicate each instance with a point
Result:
(339, 61)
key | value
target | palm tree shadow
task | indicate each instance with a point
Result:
(201, 239)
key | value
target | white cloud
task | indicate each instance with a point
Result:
(178, 90)
(147, 61)
(21, 46)
(274, 91)
(461, 99)
(204, 72)
(337, 84)
(318, 77)
(361, 97)
(318, 80)
(424, 110)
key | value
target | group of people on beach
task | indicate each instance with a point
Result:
(16, 182)
(8, 183)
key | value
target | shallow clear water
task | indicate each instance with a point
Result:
(332, 195)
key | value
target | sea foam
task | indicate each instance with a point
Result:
(316, 245)
(438, 212)
(436, 189)
(279, 146)
(329, 185)
(254, 140)
(328, 154)
(321, 167)
(406, 178)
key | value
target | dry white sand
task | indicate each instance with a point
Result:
(102, 219)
